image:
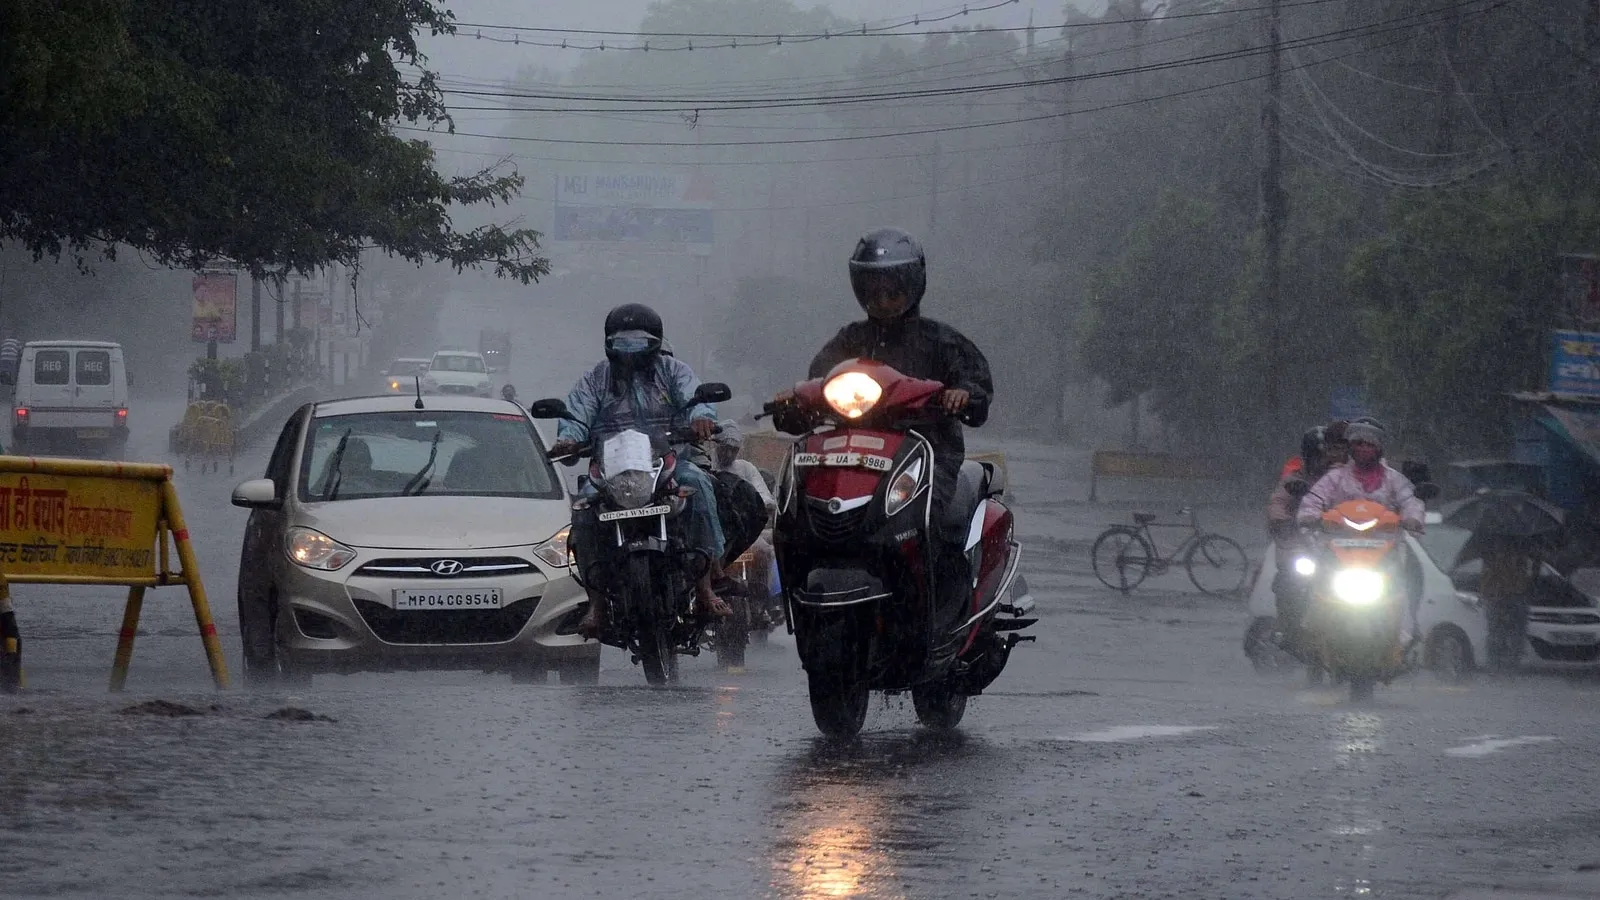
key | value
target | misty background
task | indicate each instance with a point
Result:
(1088, 190)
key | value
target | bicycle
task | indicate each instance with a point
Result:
(1128, 552)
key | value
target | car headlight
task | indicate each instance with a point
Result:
(631, 489)
(1305, 565)
(904, 487)
(852, 394)
(1358, 587)
(555, 551)
(315, 550)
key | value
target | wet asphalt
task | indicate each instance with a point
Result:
(1131, 753)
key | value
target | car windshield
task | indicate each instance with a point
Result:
(425, 452)
(457, 364)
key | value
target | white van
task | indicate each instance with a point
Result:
(71, 396)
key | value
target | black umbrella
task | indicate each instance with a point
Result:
(1505, 514)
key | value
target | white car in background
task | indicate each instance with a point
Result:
(1563, 621)
(457, 372)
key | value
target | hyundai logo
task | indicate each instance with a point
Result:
(447, 567)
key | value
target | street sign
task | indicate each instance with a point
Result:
(633, 208)
(1575, 363)
(1348, 403)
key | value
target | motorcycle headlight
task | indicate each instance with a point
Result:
(632, 489)
(1305, 565)
(315, 550)
(555, 551)
(852, 394)
(1358, 587)
(904, 487)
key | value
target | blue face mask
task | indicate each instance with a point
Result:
(623, 343)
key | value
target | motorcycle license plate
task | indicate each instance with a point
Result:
(481, 598)
(1574, 638)
(635, 513)
(845, 460)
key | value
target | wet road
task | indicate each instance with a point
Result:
(1130, 753)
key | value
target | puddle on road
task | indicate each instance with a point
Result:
(1124, 733)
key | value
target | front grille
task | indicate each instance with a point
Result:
(446, 626)
(1556, 618)
(1565, 652)
(836, 527)
(421, 567)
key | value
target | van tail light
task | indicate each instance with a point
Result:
(122, 414)
(22, 415)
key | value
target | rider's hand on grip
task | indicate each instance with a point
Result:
(954, 401)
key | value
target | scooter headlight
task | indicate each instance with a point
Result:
(852, 394)
(904, 487)
(1358, 587)
(1305, 566)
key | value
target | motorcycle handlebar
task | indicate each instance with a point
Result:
(582, 451)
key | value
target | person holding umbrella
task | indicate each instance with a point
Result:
(1512, 532)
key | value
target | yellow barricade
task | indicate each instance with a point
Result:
(79, 521)
(1124, 464)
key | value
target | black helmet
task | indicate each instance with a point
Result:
(633, 338)
(1312, 445)
(893, 253)
(634, 317)
(509, 393)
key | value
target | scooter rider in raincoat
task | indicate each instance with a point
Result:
(1367, 477)
(888, 273)
(636, 386)
(1321, 448)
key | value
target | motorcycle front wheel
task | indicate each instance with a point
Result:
(656, 653)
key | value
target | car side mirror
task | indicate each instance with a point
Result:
(551, 408)
(260, 493)
(1427, 491)
(1297, 487)
(711, 392)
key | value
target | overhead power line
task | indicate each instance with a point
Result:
(644, 41)
(896, 134)
(699, 104)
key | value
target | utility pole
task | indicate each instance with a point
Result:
(255, 314)
(933, 198)
(277, 314)
(1273, 214)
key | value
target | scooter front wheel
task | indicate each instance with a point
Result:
(838, 703)
(938, 705)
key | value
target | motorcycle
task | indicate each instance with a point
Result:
(857, 549)
(646, 569)
(1353, 621)
(757, 609)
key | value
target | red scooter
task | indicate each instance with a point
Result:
(859, 547)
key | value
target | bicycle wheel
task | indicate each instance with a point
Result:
(1122, 558)
(1217, 565)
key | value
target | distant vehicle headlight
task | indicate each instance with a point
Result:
(1305, 565)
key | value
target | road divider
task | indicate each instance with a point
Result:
(92, 522)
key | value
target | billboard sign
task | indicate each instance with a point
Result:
(643, 209)
(1575, 363)
(216, 307)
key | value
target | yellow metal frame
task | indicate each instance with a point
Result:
(169, 521)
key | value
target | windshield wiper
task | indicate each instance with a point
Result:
(418, 481)
(330, 485)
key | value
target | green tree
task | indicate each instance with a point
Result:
(258, 132)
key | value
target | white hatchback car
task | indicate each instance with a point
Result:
(457, 372)
(390, 537)
(1563, 622)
